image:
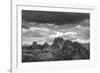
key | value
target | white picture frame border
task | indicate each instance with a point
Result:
(17, 66)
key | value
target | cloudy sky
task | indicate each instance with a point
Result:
(43, 26)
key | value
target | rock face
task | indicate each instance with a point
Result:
(34, 45)
(60, 50)
(58, 43)
(45, 45)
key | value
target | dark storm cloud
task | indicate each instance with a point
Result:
(53, 17)
(44, 26)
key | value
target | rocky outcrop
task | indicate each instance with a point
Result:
(60, 50)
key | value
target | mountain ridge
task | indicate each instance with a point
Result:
(60, 50)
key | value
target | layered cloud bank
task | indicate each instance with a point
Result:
(46, 32)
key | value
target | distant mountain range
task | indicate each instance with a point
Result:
(60, 50)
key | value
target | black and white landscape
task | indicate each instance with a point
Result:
(55, 36)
